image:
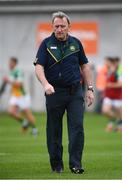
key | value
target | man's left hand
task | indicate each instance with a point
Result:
(89, 97)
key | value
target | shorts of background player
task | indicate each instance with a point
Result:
(112, 102)
(22, 102)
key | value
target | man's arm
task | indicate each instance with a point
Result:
(114, 84)
(2, 87)
(48, 88)
(16, 83)
(87, 75)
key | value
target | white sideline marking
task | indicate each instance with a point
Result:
(4, 154)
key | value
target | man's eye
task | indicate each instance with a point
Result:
(62, 26)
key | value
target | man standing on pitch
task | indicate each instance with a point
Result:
(58, 65)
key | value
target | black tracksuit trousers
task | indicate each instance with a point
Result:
(71, 101)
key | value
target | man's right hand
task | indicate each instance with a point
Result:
(6, 79)
(49, 89)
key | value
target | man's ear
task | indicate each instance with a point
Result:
(69, 28)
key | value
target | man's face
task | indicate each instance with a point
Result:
(60, 28)
(12, 64)
(108, 63)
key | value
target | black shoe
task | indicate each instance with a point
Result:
(76, 170)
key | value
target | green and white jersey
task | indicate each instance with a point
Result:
(16, 75)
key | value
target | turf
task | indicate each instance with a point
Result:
(24, 157)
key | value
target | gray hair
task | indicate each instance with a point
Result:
(61, 15)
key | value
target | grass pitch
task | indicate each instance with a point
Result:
(24, 157)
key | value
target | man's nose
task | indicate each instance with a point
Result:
(59, 28)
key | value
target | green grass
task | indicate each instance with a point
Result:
(25, 157)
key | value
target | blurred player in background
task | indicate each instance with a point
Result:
(101, 78)
(19, 103)
(112, 103)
